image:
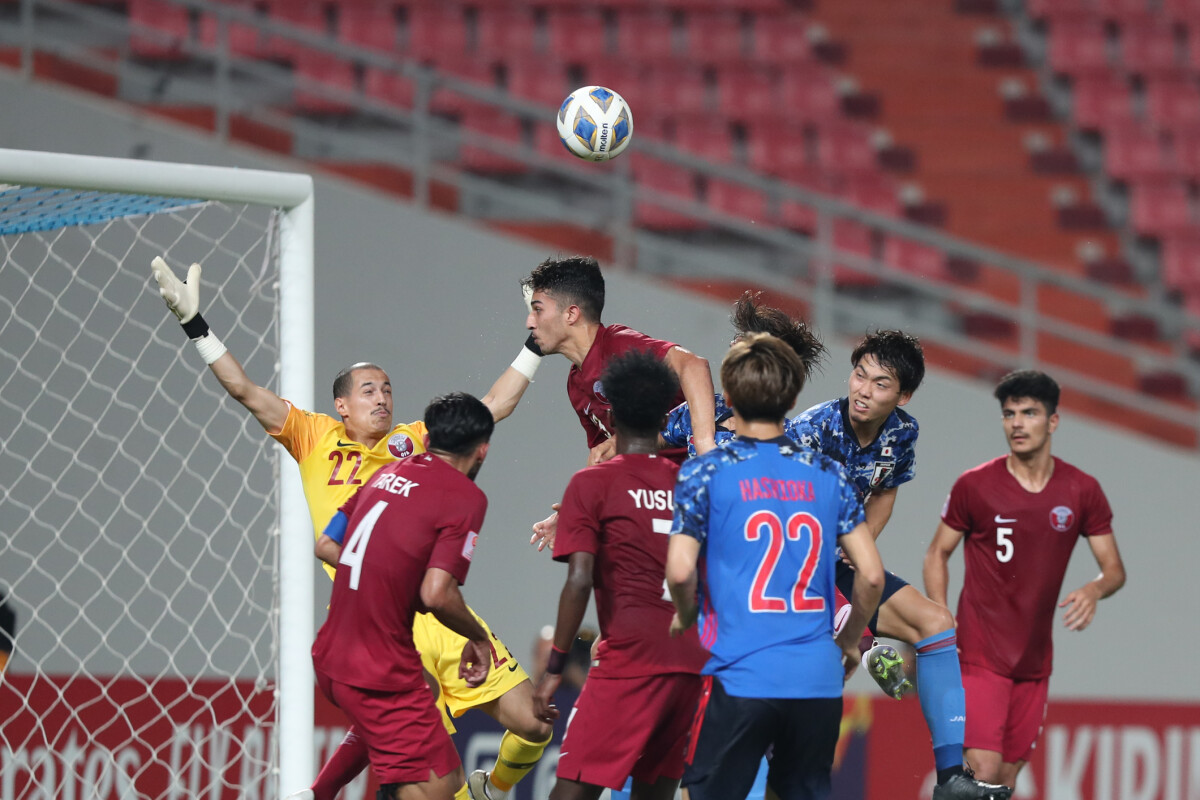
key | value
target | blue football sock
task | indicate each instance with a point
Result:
(943, 702)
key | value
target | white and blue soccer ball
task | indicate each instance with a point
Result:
(595, 123)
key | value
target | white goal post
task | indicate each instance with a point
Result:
(143, 189)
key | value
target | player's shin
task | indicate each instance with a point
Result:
(515, 760)
(943, 702)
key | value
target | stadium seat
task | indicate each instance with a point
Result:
(1183, 12)
(781, 40)
(646, 36)
(746, 93)
(501, 129)
(1148, 49)
(388, 87)
(245, 40)
(1076, 48)
(168, 25)
(780, 148)
(446, 100)
(873, 191)
(739, 201)
(665, 179)
(1101, 101)
(845, 147)
(1173, 104)
(715, 38)
(852, 239)
(576, 36)
(1134, 153)
(1186, 149)
(313, 70)
(504, 32)
(1059, 10)
(1124, 12)
(1160, 208)
(1181, 263)
(682, 88)
(435, 33)
(540, 81)
(370, 25)
(915, 258)
(807, 92)
(307, 15)
(706, 137)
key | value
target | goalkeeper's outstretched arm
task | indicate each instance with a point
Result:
(183, 298)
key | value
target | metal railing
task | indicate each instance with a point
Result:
(427, 145)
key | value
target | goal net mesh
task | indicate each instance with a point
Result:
(139, 544)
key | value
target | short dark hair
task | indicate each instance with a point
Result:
(761, 376)
(750, 317)
(1029, 383)
(641, 389)
(343, 382)
(574, 281)
(897, 351)
(457, 423)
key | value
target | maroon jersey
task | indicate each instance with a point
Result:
(621, 512)
(1017, 546)
(583, 382)
(413, 515)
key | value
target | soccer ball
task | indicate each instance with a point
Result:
(595, 123)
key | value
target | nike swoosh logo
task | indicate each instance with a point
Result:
(345, 444)
(1002, 519)
(513, 668)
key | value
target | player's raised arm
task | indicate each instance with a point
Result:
(937, 560)
(183, 298)
(695, 379)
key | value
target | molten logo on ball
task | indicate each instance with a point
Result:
(595, 123)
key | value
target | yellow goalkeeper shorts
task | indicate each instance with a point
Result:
(441, 652)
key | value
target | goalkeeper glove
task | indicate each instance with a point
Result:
(183, 298)
(530, 357)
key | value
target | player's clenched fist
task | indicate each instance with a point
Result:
(183, 298)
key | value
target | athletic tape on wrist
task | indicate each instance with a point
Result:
(556, 661)
(209, 347)
(527, 363)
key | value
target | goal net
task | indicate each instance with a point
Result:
(141, 545)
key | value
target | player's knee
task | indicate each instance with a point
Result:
(935, 619)
(533, 730)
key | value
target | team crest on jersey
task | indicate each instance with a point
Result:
(598, 390)
(468, 551)
(1061, 518)
(401, 445)
(882, 470)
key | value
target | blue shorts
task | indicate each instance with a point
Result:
(892, 583)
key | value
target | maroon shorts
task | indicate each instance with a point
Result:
(629, 726)
(1003, 715)
(403, 731)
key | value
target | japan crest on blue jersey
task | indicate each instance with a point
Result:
(887, 462)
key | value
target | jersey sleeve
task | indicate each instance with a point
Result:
(578, 521)
(801, 430)
(850, 508)
(691, 499)
(678, 431)
(455, 546)
(301, 430)
(1097, 514)
(957, 511)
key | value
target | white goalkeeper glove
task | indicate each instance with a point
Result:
(183, 298)
(530, 357)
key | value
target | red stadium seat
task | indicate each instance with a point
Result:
(388, 87)
(1124, 12)
(314, 70)
(1187, 154)
(874, 192)
(541, 81)
(1060, 10)
(1173, 104)
(447, 100)
(307, 15)
(504, 32)
(746, 93)
(915, 258)
(169, 29)
(680, 88)
(705, 137)
(576, 36)
(807, 92)
(781, 40)
(1078, 47)
(501, 129)
(665, 179)
(845, 148)
(1181, 263)
(852, 239)
(435, 32)
(245, 39)
(370, 25)
(780, 148)
(1134, 153)
(715, 38)
(1185, 12)
(739, 201)
(1149, 49)
(1160, 208)
(647, 37)
(1100, 101)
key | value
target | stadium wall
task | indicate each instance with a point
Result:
(435, 301)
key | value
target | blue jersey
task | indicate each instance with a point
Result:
(885, 463)
(678, 432)
(768, 515)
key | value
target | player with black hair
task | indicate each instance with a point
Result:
(633, 715)
(1021, 516)
(338, 456)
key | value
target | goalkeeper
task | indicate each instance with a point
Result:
(336, 457)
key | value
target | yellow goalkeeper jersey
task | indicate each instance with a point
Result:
(332, 466)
